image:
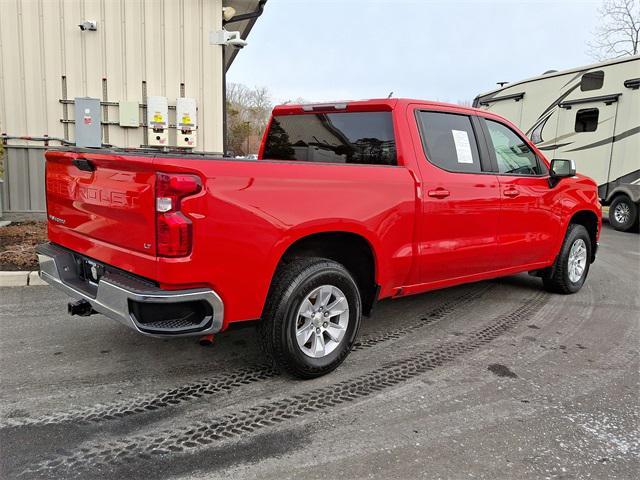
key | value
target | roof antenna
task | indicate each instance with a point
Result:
(390, 93)
(502, 84)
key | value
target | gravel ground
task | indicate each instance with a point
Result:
(490, 380)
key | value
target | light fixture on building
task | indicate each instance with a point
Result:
(228, 13)
(91, 25)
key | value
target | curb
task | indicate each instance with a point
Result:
(20, 278)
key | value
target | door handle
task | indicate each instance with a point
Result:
(512, 192)
(439, 193)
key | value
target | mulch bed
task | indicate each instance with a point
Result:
(17, 245)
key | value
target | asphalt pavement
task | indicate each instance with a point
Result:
(494, 380)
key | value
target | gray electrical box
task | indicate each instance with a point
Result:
(87, 120)
(129, 114)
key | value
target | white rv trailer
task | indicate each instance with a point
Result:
(590, 115)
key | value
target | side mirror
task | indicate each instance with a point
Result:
(560, 168)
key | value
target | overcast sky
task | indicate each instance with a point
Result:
(437, 50)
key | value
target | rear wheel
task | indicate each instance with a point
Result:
(312, 317)
(571, 267)
(623, 213)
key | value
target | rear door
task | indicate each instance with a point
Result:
(460, 198)
(104, 197)
(527, 229)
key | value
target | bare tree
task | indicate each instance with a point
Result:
(297, 100)
(619, 33)
(248, 111)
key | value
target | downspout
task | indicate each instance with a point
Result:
(225, 136)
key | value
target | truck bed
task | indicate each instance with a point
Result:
(247, 214)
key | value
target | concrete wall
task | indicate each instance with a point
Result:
(140, 48)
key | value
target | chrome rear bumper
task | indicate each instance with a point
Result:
(116, 293)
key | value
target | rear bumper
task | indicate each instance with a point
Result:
(121, 296)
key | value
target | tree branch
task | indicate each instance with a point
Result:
(618, 34)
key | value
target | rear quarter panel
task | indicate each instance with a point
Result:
(250, 212)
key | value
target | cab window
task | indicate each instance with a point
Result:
(513, 154)
(346, 137)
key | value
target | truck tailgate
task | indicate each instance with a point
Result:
(105, 198)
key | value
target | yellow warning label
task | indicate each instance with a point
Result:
(158, 118)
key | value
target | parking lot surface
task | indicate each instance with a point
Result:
(496, 379)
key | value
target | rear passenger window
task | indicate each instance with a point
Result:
(449, 141)
(587, 120)
(513, 154)
(345, 137)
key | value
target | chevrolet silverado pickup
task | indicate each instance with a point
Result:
(348, 203)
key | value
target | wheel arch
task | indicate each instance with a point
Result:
(351, 249)
(624, 191)
(589, 220)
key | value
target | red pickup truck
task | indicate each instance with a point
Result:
(348, 203)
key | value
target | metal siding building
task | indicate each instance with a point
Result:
(140, 48)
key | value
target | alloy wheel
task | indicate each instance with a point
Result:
(322, 321)
(577, 260)
(622, 213)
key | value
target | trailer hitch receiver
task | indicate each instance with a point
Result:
(81, 308)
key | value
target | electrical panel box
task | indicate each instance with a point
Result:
(186, 123)
(88, 130)
(129, 114)
(158, 121)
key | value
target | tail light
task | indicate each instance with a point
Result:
(174, 231)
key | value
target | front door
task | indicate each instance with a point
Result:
(527, 229)
(460, 200)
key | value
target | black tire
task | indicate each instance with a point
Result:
(292, 283)
(631, 221)
(557, 280)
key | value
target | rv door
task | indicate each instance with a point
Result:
(585, 134)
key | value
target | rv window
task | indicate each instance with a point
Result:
(587, 120)
(592, 81)
(449, 141)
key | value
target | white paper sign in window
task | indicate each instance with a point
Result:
(463, 147)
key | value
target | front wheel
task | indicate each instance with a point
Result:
(623, 214)
(311, 318)
(571, 267)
